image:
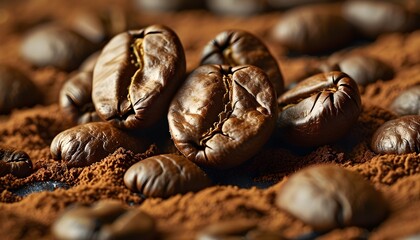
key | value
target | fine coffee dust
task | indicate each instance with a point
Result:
(182, 216)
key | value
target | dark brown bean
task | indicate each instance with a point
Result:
(14, 161)
(165, 175)
(16, 90)
(237, 47)
(89, 143)
(104, 220)
(222, 116)
(313, 29)
(327, 197)
(137, 75)
(318, 110)
(53, 45)
(407, 103)
(76, 99)
(398, 136)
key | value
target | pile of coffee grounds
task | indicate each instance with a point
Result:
(247, 191)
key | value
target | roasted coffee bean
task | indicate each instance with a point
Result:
(165, 175)
(318, 110)
(16, 90)
(168, 5)
(89, 143)
(408, 102)
(14, 161)
(136, 76)
(237, 47)
(53, 45)
(378, 17)
(76, 99)
(104, 220)
(327, 197)
(222, 116)
(313, 29)
(237, 7)
(398, 136)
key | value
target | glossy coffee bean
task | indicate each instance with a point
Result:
(89, 143)
(237, 47)
(14, 161)
(104, 220)
(16, 90)
(312, 29)
(407, 103)
(374, 18)
(327, 197)
(56, 46)
(398, 136)
(222, 116)
(165, 175)
(137, 75)
(318, 110)
(237, 7)
(76, 99)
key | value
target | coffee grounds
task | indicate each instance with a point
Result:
(247, 191)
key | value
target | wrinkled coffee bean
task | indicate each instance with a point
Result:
(398, 136)
(16, 90)
(313, 29)
(374, 18)
(14, 161)
(136, 76)
(222, 116)
(327, 197)
(407, 103)
(76, 99)
(167, 5)
(89, 143)
(318, 110)
(236, 47)
(237, 7)
(165, 175)
(104, 220)
(53, 45)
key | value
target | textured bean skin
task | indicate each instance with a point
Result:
(237, 47)
(165, 175)
(89, 143)
(398, 136)
(14, 161)
(408, 102)
(137, 75)
(76, 99)
(318, 110)
(104, 220)
(16, 90)
(221, 116)
(327, 197)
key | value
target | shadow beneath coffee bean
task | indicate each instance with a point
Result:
(35, 187)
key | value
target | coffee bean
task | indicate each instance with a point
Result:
(167, 6)
(398, 136)
(313, 29)
(16, 90)
(237, 47)
(89, 143)
(53, 45)
(136, 76)
(237, 7)
(408, 102)
(327, 197)
(318, 110)
(14, 161)
(165, 175)
(222, 116)
(76, 99)
(374, 18)
(104, 220)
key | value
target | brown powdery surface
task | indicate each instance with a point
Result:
(182, 216)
